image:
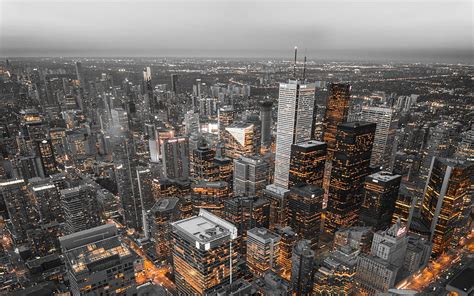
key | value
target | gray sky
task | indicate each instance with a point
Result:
(260, 28)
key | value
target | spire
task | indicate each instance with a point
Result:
(294, 65)
(304, 69)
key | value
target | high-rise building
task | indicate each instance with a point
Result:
(336, 113)
(465, 149)
(47, 201)
(210, 196)
(147, 89)
(380, 196)
(337, 110)
(263, 250)
(204, 259)
(175, 155)
(202, 165)
(165, 211)
(307, 163)
(404, 206)
(379, 271)
(80, 75)
(302, 269)
(246, 213)
(79, 205)
(277, 197)
(250, 176)
(191, 123)
(240, 140)
(225, 117)
(266, 119)
(46, 154)
(443, 207)
(384, 139)
(175, 83)
(303, 212)
(288, 240)
(295, 118)
(350, 166)
(98, 262)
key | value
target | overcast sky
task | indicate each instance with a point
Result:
(260, 28)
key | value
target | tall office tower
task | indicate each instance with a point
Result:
(355, 237)
(204, 259)
(417, 256)
(277, 197)
(120, 121)
(263, 250)
(266, 119)
(210, 196)
(337, 110)
(165, 211)
(175, 83)
(80, 75)
(46, 154)
(380, 196)
(153, 145)
(80, 209)
(378, 271)
(143, 191)
(225, 117)
(240, 140)
(336, 113)
(162, 134)
(203, 163)
(175, 155)
(307, 163)
(246, 213)
(98, 262)
(18, 208)
(191, 123)
(404, 206)
(250, 176)
(288, 240)
(147, 90)
(387, 123)
(295, 117)
(223, 167)
(46, 199)
(350, 166)
(302, 269)
(303, 212)
(465, 149)
(443, 200)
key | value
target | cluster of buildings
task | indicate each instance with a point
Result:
(105, 185)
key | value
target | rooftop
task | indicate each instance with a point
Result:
(383, 176)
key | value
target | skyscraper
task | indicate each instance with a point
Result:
(80, 75)
(80, 209)
(302, 269)
(174, 83)
(350, 166)
(443, 200)
(295, 117)
(250, 176)
(384, 139)
(225, 117)
(46, 154)
(307, 163)
(240, 140)
(304, 209)
(203, 256)
(98, 262)
(380, 196)
(263, 248)
(175, 155)
(266, 119)
(202, 164)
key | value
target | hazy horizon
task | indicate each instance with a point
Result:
(413, 31)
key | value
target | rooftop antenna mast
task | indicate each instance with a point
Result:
(304, 69)
(294, 65)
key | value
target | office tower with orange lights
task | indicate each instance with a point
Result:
(204, 259)
(80, 208)
(307, 163)
(380, 196)
(210, 196)
(277, 197)
(202, 164)
(445, 201)
(263, 249)
(47, 157)
(98, 262)
(288, 240)
(350, 166)
(295, 119)
(225, 117)
(240, 140)
(404, 206)
(337, 110)
(303, 212)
